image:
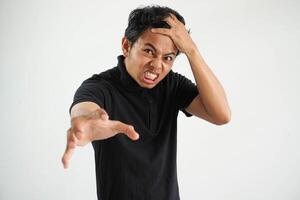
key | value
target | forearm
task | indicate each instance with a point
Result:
(211, 91)
(83, 108)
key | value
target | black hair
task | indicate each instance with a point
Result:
(142, 18)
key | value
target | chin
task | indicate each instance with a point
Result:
(148, 86)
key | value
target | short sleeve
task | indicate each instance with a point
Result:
(185, 92)
(90, 90)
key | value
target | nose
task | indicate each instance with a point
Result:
(156, 63)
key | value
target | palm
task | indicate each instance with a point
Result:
(91, 127)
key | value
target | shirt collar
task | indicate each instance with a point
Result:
(126, 80)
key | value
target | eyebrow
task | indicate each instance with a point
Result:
(152, 46)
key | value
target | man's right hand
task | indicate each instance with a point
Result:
(93, 126)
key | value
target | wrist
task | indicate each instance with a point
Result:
(191, 52)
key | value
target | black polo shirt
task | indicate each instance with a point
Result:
(144, 169)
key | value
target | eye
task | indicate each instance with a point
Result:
(148, 51)
(169, 58)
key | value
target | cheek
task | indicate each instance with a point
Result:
(167, 68)
(139, 69)
(165, 72)
(141, 63)
(136, 63)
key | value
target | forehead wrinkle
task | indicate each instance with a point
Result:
(157, 50)
(157, 40)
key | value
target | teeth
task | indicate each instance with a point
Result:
(150, 75)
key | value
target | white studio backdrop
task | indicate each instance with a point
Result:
(47, 48)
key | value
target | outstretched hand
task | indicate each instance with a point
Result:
(94, 126)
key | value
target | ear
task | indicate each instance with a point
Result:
(125, 46)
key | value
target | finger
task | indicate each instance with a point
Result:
(132, 133)
(119, 127)
(79, 135)
(170, 20)
(67, 155)
(163, 31)
(104, 116)
(173, 21)
(71, 144)
(172, 16)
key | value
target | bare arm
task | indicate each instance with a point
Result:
(211, 103)
(83, 108)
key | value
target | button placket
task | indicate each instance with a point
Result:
(151, 113)
(147, 107)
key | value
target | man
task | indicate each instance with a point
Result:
(141, 98)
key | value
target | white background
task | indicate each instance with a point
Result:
(47, 48)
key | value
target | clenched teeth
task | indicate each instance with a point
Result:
(150, 75)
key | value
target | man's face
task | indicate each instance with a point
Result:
(150, 58)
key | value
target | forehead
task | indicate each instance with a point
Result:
(162, 43)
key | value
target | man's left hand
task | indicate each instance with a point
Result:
(178, 33)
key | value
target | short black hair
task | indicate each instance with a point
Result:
(142, 18)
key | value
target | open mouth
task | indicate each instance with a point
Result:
(150, 77)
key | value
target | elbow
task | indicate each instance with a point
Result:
(225, 119)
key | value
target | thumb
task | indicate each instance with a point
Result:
(119, 127)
